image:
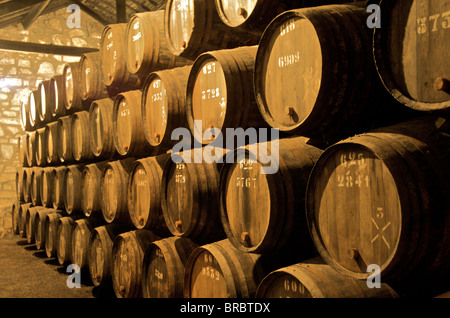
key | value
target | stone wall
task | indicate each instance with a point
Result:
(21, 72)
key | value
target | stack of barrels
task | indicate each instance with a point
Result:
(130, 167)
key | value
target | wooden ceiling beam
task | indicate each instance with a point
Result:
(44, 48)
(34, 13)
(16, 5)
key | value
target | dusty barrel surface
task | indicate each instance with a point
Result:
(65, 139)
(113, 188)
(190, 199)
(44, 111)
(219, 270)
(339, 92)
(46, 187)
(411, 53)
(147, 47)
(127, 257)
(23, 150)
(22, 219)
(40, 224)
(51, 140)
(262, 196)
(164, 267)
(51, 232)
(100, 253)
(81, 234)
(24, 115)
(381, 198)
(193, 27)
(144, 194)
(31, 145)
(26, 184)
(15, 217)
(101, 128)
(315, 279)
(30, 219)
(128, 130)
(163, 105)
(81, 137)
(72, 189)
(91, 82)
(58, 187)
(113, 59)
(220, 93)
(90, 193)
(32, 111)
(18, 185)
(56, 92)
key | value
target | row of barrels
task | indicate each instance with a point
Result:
(339, 94)
(138, 263)
(376, 198)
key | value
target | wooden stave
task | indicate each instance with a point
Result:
(46, 194)
(23, 150)
(51, 137)
(91, 86)
(31, 145)
(80, 249)
(58, 187)
(73, 102)
(41, 147)
(22, 219)
(64, 239)
(15, 217)
(85, 153)
(51, 231)
(30, 219)
(43, 111)
(34, 122)
(57, 108)
(26, 184)
(76, 172)
(40, 223)
(36, 186)
(65, 154)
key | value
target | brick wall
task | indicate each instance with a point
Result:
(21, 72)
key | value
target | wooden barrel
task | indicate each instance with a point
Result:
(411, 53)
(15, 216)
(128, 129)
(101, 128)
(144, 194)
(51, 140)
(31, 145)
(81, 137)
(193, 27)
(113, 59)
(51, 233)
(339, 93)
(254, 16)
(58, 187)
(219, 270)
(30, 220)
(41, 147)
(220, 93)
(164, 267)
(263, 211)
(315, 279)
(127, 257)
(72, 189)
(147, 47)
(25, 123)
(113, 188)
(64, 239)
(35, 180)
(46, 187)
(56, 91)
(164, 106)
(21, 220)
(190, 199)
(43, 111)
(90, 185)
(40, 224)
(18, 185)
(100, 253)
(382, 198)
(72, 81)
(65, 139)
(81, 234)
(33, 105)
(26, 184)
(23, 150)
(91, 78)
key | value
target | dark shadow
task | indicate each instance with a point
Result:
(40, 254)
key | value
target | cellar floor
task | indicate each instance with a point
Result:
(28, 273)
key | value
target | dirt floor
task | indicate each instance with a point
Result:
(26, 272)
